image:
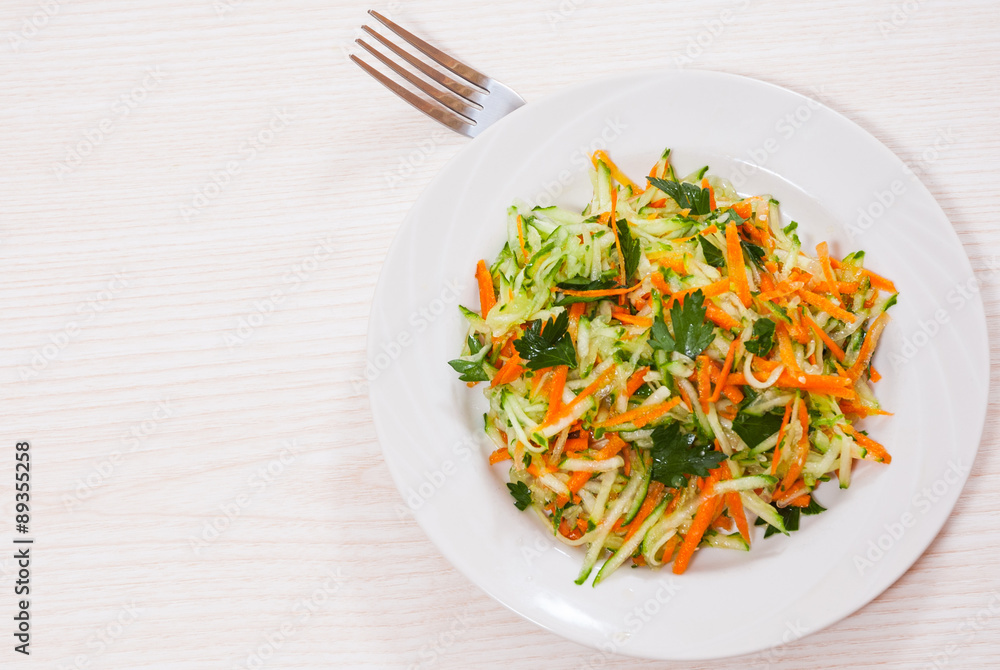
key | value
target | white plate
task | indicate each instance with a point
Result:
(838, 182)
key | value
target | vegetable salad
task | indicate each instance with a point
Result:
(670, 366)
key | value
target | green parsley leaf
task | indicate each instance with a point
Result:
(543, 347)
(755, 429)
(813, 507)
(686, 195)
(762, 338)
(522, 495)
(676, 458)
(470, 368)
(691, 333)
(713, 255)
(754, 252)
(660, 337)
(791, 516)
(631, 250)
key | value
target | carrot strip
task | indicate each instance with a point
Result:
(869, 444)
(487, 296)
(795, 469)
(735, 505)
(592, 388)
(576, 310)
(724, 375)
(781, 434)
(635, 381)
(744, 208)
(556, 391)
(599, 293)
(823, 253)
(704, 380)
(797, 490)
(614, 445)
(801, 501)
(577, 480)
(827, 306)
(632, 319)
(501, 454)
(702, 518)
(879, 282)
(737, 271)
(711, 195)
(787, 354)
(874, 375)
(640, 416)
(868, 347)
(617, 174)
(708, 290)
(510, 371)
(653, 498)
(830, 344)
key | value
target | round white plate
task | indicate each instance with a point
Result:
(842, 185)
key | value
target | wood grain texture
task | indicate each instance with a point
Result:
(195, 200)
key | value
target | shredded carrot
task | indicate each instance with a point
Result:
(640, 416)
(783, 496)
(795, 469)
(614, 445)
(874, 374)
(631, 319)
(592, 388)
(675, 260)
(520, 237)
(724, 375)
(501, 454)
(823, 253)
(711, 194)
(787, 353)
(868, 347)
(704, 380)
(576, 310)
(702, 519)
(830, 344)
(744, 208)
(599, 293)
(556, 390)
(616, 173)
(708, 290)
(870, 445)
(801, 501)
(720, 317)
(879, 282)
(577, 480)
(737, 271)
(510, 371)
(827, 306)
(653, 497)
(735, 505)
(635, 381)
(487, 297)
(781, 435)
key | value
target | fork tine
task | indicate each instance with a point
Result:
(462, 70)
(455, 87)
(452, 102)
(455, 122)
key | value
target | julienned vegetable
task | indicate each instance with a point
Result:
(668, 361)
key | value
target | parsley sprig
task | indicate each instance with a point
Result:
(691, 335)
(546, 346)
(676, 457)
(686, 195)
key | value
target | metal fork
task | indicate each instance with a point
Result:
(467, 106)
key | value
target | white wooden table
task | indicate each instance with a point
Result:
(196, 197)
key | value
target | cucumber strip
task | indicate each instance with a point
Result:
(745, 484)
(844, 474)
(607, 481)
(627, 549)
(753, 502)
(640, 496)
(583, 465)
(604, 528)
(734, 541)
